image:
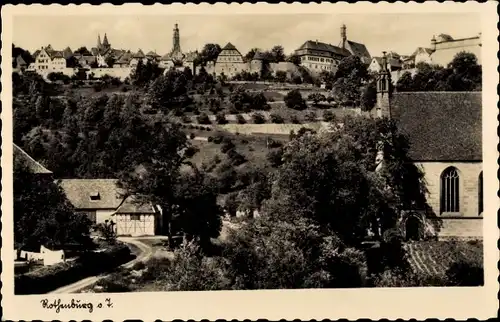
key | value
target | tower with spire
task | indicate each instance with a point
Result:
(105, 43)
(176, 43)
(343, 35)
(383, 105)
(99, 44)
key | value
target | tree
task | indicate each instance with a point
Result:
(42, 214)
(332, 179)
(294, 59)
(368, 96)
(281, 76)
(405, 83)
(278, 54)
(251, 53)
(82, 51)
(316, 98)
(294, 100)
(110, 61)
(210, 52)
(466, 72)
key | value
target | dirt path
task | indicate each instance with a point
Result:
(146, 252)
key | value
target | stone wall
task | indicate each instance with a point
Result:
(468, 180)
(461, 228)
(121, 73)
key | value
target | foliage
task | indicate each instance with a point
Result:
(220, 118)
(331, 179)
(258, 118)
(107, 230)
(276, 118)
(203, 119)
(43, 215)
(294, 100)
(210, 52)
(463, 73)
(240, 119)
(350, 77)
(316, 98)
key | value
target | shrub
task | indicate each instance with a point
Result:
(465, 273)
(191, 151)
(310, 116)
(217, 139)
(294, 100)
(210, 139)
(192, 136)
(294, 119)
(276, 118)
(240, 119)
(274, 157)
(220, 118)
(203, 119)
(97, 87)
(227, 145)
(258, 118)
(138, 266)
(328, 116)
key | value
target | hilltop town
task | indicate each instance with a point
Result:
(328, 167)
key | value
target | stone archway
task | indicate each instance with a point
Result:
(413, 228)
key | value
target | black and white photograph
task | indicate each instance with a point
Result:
(148, 152)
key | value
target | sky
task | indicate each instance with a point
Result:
(401, 33)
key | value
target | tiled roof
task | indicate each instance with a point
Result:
(152, 54)
(360, 51)
(124, 58)
(20, 61)
(131, 206)
(229, 46)
(321, 46)
(34, 166)
(441, 126)
(79, 192)
(258, 56)
(139, 54)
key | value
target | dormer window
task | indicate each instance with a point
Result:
(94, 196)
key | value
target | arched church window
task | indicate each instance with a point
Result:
(480, 193)
(450, 191)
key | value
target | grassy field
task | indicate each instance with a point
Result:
(435, 257)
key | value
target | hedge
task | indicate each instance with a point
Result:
(88, 264)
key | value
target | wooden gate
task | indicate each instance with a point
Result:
(135, 225)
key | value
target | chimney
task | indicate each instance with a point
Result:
(433, 43)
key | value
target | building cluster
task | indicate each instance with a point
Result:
(315, 56)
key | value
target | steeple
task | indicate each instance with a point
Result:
(176, 46)
(383, 107)
(105, 42)
(343, 35)
(99, 41)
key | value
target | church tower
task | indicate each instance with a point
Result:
(176, 48)
(383, 106)
(99, 45)
(105, 43)
(343, 36)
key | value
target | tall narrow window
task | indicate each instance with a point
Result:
(480, 193)
(450, 191)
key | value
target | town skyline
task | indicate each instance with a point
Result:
(388, 32)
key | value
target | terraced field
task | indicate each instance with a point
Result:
(435, 257)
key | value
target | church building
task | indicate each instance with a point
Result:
(445, 135)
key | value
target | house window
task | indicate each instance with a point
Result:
(450, 191)
(135, 217)
(480, 194)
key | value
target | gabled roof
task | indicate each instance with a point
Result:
(321, 46)
(139, 54)
(124, 58)
(36, 53)
(258, 56)
(79, 191)
(152, 54)
(34, 166)
(20, 61)
(229, 46)
(67, 52)
(360, 51)
(441, 126)
(131, 206)
(422, 50)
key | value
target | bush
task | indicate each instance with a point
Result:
(465, 273)
(275, 157)
(328, 116)
(240, 119)
(192, 136)
(310, 116)
(203, 119)
(97, 87)
(258, 118)
(210, 139)
(217, 139)
(220, 118)
(276, 118)
(294, 100)
(191, 151)
(294, 119)
(227, 145)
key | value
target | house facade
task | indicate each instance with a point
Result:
(49, 60)
(102, 200)
(445, 135)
